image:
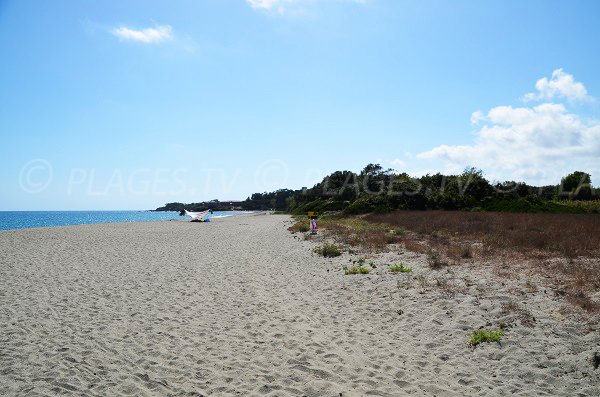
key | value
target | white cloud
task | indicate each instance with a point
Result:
(476, 117)
(149, 35)
(397, 163)
(267, 4)
(560, 85)
(537, 144)
(283, 5)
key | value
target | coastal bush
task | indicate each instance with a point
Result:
(485, 336)
(400, 268)
(299, 227)
(356, 270)
(461, 251)
(590, 206)
(328, 250)
(391, 239)
(400, 231)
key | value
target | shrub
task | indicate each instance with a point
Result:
(356, 270)
(484, 335)
(463, 251)
(400, 268)
(391, 239)
(328, 250)
(467, 252)
(399, 231)
(373, 265)
(299, 226)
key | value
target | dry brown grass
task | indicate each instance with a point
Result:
(300, 226)
(357, 232)
(518, 312)
(436, 260)
(415, 246)
(448, 286)
(581, 299)
(563, 248)
(570, 235)
(567, 244)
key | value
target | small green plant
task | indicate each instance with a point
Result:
(373, 265)
(399, 231)
(400, 268)
(328, 250)
(359, 261)
(356, 270)
(484, 335)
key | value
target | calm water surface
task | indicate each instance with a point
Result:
(26, 219)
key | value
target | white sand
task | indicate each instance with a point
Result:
(242, 307)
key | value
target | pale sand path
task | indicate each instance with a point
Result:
(242, 307)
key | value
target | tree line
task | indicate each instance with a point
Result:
(375, 189)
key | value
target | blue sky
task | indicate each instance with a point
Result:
(128, 105)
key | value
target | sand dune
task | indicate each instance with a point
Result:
(242, 307)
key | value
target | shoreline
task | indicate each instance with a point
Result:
(100, 212)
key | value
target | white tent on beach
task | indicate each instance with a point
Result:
(198, 216)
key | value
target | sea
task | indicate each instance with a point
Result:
(10, 220)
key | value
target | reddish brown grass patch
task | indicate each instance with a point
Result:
(569, 235)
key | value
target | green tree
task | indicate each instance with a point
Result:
(576, 186)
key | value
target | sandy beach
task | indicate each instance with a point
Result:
(240, 306)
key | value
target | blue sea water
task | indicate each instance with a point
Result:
(25, 219)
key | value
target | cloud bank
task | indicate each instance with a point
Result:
(149, 35)
(539, 143)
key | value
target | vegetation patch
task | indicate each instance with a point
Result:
(525, 235)
(299, 227)
(485, 336)
(435, 260)
(582, 300)
(355, 232)
(516, 311)
(356, 270)
(399, 231)
(400, 268)
(328, 250)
